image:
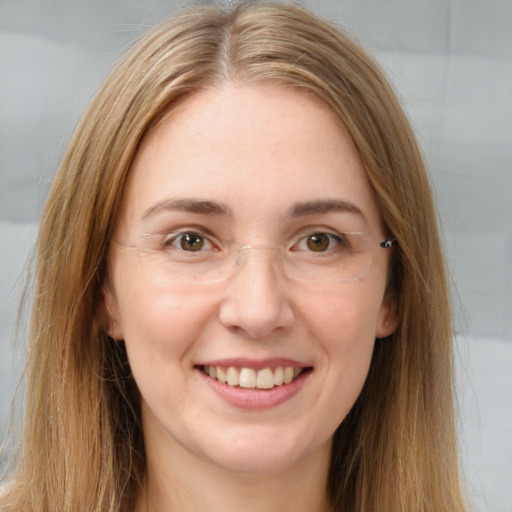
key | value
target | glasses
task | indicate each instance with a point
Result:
(189, 257)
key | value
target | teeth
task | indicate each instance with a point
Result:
(250, 378)
(279, 376)
(232, 377)
(247, 378)
(221, 375)
(288, 374)
(265, 379)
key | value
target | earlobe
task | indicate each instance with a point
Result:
(387, 321)
(114, 330)
(110, 312)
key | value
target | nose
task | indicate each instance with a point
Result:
(257, 297)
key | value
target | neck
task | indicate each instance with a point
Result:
(196, 485)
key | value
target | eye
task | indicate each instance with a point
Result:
(319, 242)
(189, 241)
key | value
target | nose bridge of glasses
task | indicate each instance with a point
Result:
(257, 250)
(253, 256)
(262, 263)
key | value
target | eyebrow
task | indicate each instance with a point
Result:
(199, 206)
(300, 209)
(324, 206)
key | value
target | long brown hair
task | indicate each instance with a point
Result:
(82, 444)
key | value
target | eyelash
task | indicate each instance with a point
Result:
(334, 239)
(169, 241)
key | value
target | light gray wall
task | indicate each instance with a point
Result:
(451, 62)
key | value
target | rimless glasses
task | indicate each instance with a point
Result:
(190, 256)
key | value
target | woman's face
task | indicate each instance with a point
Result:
(239, 166)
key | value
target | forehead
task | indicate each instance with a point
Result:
(257, 149)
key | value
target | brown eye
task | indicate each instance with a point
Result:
(191, 242)
(318, 242)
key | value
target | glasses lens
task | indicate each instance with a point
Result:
(319, 257)
(328, 258)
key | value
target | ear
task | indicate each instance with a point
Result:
(110, 312)
(387, 319)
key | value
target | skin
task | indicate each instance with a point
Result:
(257, 150)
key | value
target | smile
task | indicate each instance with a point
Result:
(250, 378)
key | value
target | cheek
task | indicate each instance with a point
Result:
(343, 322)
(160, 327)
(343, 325)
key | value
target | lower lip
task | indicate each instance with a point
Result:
(256, 399)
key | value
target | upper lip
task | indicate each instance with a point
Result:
(257, 364)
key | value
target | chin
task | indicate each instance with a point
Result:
(261, 465)
(264, 454)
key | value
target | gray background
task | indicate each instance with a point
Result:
(451, 63)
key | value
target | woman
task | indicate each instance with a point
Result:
(240, 294)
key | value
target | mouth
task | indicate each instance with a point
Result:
(252, 378)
